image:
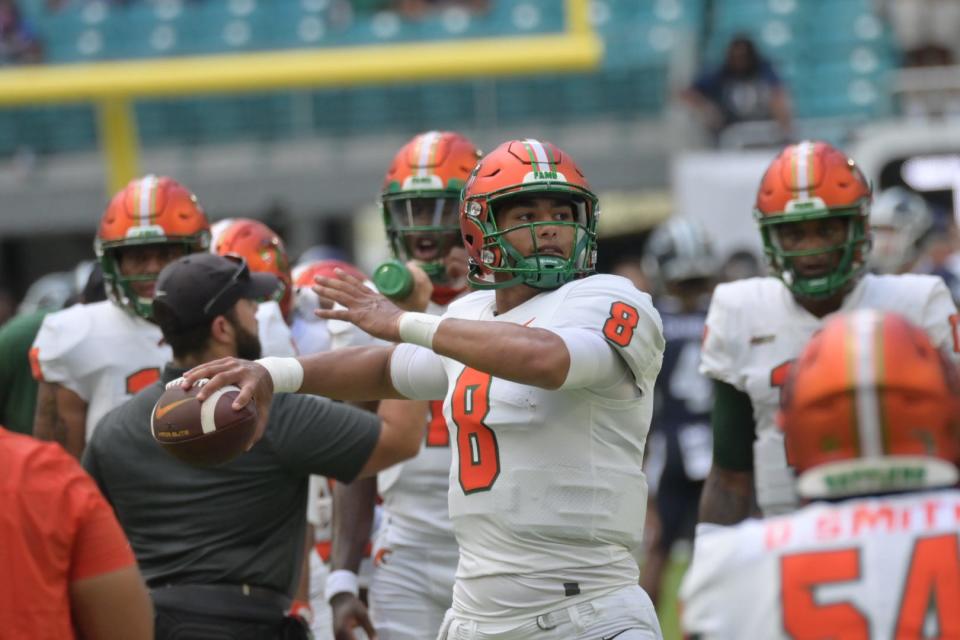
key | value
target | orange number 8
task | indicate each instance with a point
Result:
(619, 327)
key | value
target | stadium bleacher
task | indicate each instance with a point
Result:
(830, 74)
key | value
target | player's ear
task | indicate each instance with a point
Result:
(221, 330)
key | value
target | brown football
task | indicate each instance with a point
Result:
(205, 434)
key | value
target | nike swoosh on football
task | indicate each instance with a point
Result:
(162, 411)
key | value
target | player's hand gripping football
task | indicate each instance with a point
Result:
(349, 612)
(364, 307)
(254, 382)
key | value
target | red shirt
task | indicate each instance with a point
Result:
(55, 528)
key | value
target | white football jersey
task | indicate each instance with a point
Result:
(310, 335)
(100, 352)
(755, 330)
(549, 484)
(414, 492)
(884, 567)
(275, 336)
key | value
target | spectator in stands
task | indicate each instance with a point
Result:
(745, 88)
(417, 8)
(18, 42)
(926, 30)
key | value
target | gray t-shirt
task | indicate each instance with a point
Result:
(239, 523)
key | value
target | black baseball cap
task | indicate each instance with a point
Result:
(196, 288)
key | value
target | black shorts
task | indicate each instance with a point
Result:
(677, 505)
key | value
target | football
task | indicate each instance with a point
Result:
(202, 434)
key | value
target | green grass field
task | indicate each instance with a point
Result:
(667, 611)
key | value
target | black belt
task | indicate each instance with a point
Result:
(233, 601)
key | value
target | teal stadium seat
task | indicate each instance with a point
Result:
(834, 54)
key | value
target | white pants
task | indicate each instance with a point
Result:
(411, 590)
(625, 614)
(322, 626)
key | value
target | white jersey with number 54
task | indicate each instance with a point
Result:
(755, 330)
(867, 568)
(548, 484)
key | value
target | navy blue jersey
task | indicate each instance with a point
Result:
(681, 440)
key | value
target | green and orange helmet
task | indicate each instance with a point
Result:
(813, 181)
(536, 169)
(148, 211)
(871, 406)
(420, 197)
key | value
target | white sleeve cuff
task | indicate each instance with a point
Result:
(341, 581)
(286, 373)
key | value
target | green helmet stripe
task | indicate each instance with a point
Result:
(539, 156)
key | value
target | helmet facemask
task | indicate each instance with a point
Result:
(540, 270)
(851, 252)
(121, 288)
(423, 228)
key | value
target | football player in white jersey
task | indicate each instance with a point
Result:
(415, 552)
(547, 379)
(311, 335)
(264, 252)
(872, 408)
(813, 211)
(91, 358)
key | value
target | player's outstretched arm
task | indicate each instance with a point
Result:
(61, 416)
(357, 373)
(505, 350)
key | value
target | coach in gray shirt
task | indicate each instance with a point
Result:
(220, 547)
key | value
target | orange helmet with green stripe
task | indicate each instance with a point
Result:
(420, 197)
(871, 406)
(814, 181)
(148, 211)
(529, 168)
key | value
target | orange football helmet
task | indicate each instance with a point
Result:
(813, 181)
(420, 198)
(263, 250)
(305, 299)
(528, 167)
(871, 406)
(148, 211)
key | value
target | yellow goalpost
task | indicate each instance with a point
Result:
(112, 86)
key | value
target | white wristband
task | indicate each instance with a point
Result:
(286, 373)
(341, 581)
(419, 328)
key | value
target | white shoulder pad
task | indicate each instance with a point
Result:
(938, 312)
(724, 334)
(275, 338)
(623, 315)
(63, 350)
